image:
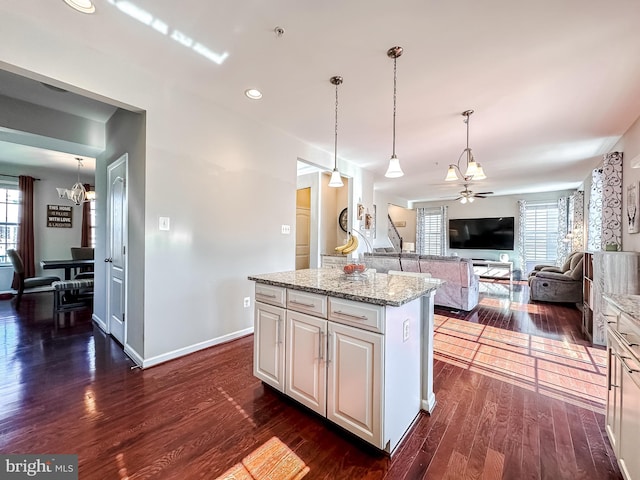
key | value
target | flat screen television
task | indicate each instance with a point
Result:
(482, 233)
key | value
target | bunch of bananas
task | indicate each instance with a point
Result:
(350, 246)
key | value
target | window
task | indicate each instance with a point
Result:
(430, 234)
(540, 233)
(9, 205)
(92, 223)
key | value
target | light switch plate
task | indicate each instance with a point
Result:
(286, 229)
(163, 223)
(405, 330)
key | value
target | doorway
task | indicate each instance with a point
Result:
(303, 227)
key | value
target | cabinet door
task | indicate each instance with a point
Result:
(268, 345)
(629, 440)
(354, 383)
(306, 377)
(613, 399)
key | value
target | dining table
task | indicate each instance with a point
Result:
(67, 265)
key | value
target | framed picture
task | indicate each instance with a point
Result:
(633, 205)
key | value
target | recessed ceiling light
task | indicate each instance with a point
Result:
(84, 6)
(253, 93)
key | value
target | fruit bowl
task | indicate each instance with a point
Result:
(354, 271)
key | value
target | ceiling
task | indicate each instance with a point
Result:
(553, 84)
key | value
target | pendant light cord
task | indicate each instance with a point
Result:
(335, 145)
(393, 152)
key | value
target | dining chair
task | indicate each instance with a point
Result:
(83, 253)
(31, 284)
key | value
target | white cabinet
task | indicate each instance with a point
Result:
(355, 363)
(623, 395)
(354, 381)
(268, 345)
(614, 400)
(306, 375)
(629, 438)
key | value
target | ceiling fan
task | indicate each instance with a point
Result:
(467, 195)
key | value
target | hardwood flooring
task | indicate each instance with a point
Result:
(520, 395)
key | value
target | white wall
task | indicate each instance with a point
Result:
(226, 182)
(629, 144)
(407, 215)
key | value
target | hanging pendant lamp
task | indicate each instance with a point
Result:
(394, 170)
(336, 179)
(474, 170)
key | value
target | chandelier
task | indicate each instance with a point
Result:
(77, 194)
(473, 169)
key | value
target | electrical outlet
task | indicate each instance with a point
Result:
(247, 302)
(286, 229)
(405, 330)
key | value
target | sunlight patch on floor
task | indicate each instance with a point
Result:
(272, 460)
(570, 372)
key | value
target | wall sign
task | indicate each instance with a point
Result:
(60, 216)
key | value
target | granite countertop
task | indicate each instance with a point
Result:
(378, 288)
(629, 304)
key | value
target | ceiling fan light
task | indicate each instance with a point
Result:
(394, 170)
(451, 174)
(336, 179)
(83, 6)
(479, 175)
(463, 200)
(470, 199)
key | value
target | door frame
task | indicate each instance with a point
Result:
(123, 159)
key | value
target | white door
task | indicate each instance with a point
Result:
(354, 382)
(268, 345)
(306, 376)
(116, 248)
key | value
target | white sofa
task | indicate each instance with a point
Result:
(460, 291)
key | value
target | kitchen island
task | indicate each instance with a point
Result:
(358, 352)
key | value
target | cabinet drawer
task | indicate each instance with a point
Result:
(306, 302)
(362, 315)
(270, 294)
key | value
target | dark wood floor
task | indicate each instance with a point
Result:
(206, 416)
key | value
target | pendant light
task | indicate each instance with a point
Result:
(394, 170)
(474, 170)
(336, 179)
(77, 194)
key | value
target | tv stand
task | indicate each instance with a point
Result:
(493, 269)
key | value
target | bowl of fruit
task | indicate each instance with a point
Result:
(354, 270)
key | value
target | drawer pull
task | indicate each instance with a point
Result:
(627, 367)
(611, 321)
(295, 302)
(266, 295)
(623, 335)
(345, 314)
(320, 353)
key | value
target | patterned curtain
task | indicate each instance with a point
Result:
(594, 235)
(612, 200)
(564, 228)
(605, 206)
(577, 207)
(522, 217)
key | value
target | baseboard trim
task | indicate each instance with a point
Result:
(165, 357)
(100, 322)
(133, 355)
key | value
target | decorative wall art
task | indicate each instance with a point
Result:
(633, 207)
(60, 216)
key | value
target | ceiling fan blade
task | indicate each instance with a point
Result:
(484, 193)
